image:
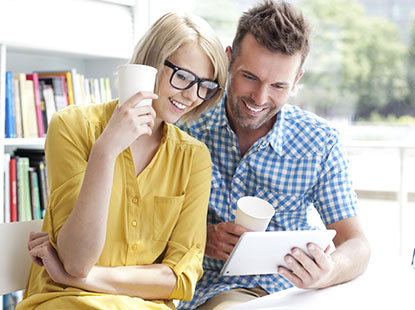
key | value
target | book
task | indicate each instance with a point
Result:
(108, 88)
(5, 213)
(76, 87)
(10, 117)
(13, 190)
(37, 161)
(68, 82)
(27, 99)
(59, 91)
(43, 185)
(103, 89)
(35, 195)
(49, 98)
(23, 189)
(17, 107)
(38, 105)
(97, 91)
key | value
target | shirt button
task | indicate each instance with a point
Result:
(198, 246)
(134, 247)
(134, 223)
(135, 199)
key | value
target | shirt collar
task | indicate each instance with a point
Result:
(274, 137)
(218, 116)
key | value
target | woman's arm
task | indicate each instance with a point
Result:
(82, 237)
(148, 282)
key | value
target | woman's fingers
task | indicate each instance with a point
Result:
(138, 97)
(37, 238)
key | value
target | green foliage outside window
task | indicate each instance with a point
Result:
(358, 65)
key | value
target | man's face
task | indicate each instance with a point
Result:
(260, 82)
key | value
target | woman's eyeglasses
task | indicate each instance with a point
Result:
(183, 79)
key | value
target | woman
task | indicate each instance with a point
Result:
(125, 226)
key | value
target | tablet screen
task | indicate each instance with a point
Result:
(263, 252)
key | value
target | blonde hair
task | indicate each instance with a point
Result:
(170, 32)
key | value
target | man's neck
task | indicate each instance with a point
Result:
(247, 136)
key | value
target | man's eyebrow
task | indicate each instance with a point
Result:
(280, 84)
(276, 84)
(249, 73)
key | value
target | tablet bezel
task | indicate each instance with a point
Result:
(252, 254)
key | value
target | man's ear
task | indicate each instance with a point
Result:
(228, 51)
(299, 75)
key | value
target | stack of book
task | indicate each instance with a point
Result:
(31, 99)
(25, 185)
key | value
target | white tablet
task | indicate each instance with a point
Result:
(263, 252)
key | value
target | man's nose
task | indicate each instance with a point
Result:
(260, 95)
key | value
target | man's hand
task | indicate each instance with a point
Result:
(306, 272)
(221, 239)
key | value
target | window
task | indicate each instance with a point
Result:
(360, 75)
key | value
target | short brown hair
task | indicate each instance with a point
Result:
(276, 25)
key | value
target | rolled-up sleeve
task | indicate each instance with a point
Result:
(67, 152)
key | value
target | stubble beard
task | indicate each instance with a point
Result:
(245, 120)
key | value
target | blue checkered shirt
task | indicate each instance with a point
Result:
(298, 165)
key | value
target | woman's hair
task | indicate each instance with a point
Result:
(276, 25)
(170, 32)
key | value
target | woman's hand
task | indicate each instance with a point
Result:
(44, 254)
(128, 122)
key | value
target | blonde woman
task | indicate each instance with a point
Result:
(125, 226)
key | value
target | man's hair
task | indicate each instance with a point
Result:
(276, 25)
(167, 35)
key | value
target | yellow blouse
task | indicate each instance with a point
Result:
(157, 217)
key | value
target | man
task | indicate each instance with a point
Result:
(261, 146)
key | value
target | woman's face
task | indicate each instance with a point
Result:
(173, 103)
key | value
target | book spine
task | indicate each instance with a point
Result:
(5, 213)
(49, 97)
(38, 106)
(17, 107)
(25, 212)
(10, 117)
(13, 191)
(28, 107)
(34, 191)
(43, 187)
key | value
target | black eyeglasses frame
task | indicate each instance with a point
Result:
(197, 80)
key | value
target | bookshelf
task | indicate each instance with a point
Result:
(92, 36)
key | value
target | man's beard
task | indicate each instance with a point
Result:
(245, 120)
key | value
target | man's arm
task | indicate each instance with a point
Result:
(348, 261)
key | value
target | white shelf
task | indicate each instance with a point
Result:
(35, 143)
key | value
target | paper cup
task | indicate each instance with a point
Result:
(254, 213)
(133, 78)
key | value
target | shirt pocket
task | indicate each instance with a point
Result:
(166, 213)
(290, 210)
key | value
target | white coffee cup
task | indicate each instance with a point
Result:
(254, 213)
(133, 78)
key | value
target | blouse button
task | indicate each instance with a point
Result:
(135, 200)
(198, 246)
(134, 223)
(134, 247)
